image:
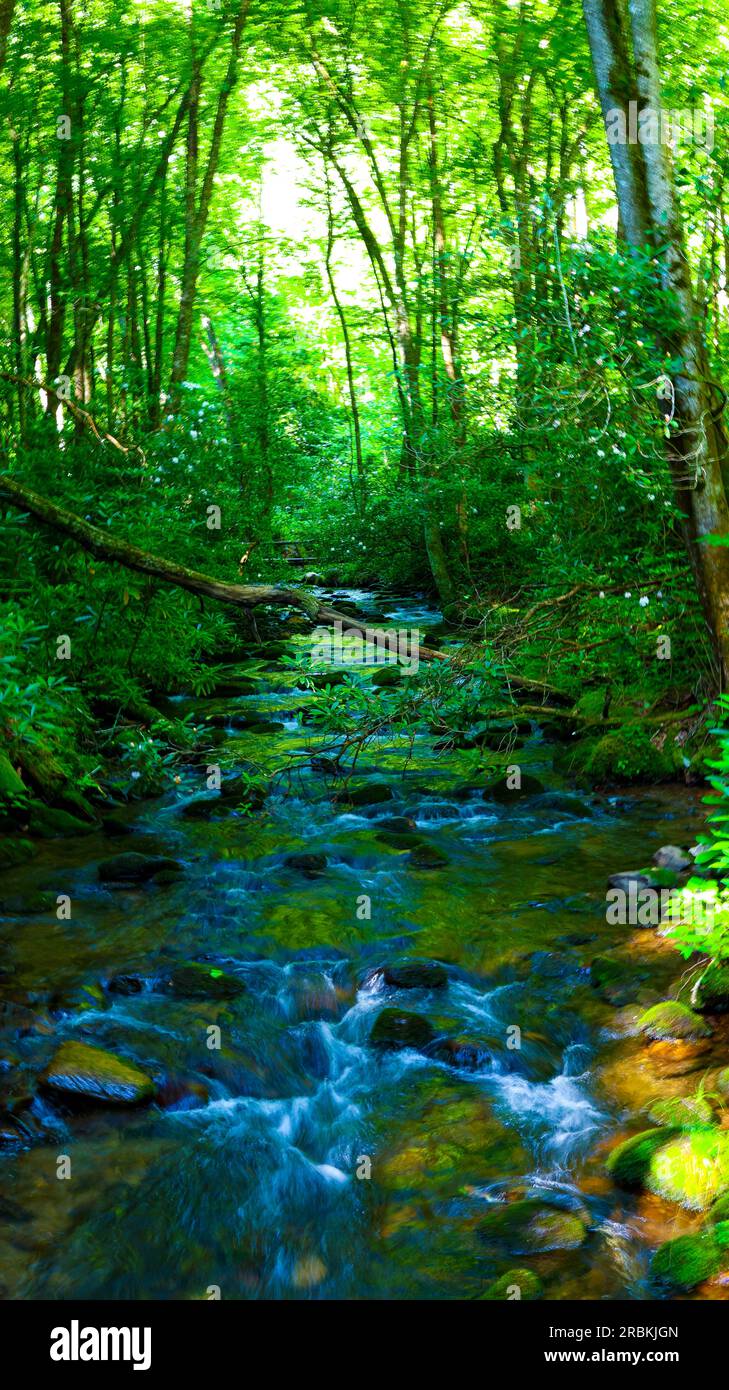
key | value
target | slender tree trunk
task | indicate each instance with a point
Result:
(650, 214)
(198, 201)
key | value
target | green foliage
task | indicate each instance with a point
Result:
(700, 910)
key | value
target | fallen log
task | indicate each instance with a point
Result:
(110, 548)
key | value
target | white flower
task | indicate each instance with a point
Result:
(602, 593)
(628, 593)
(135, 775)
(644, 601)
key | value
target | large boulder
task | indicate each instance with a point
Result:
(687, 1166)
(87, 1074)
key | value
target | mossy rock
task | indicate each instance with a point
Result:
(629, 1163)
(532, 1226)
(712, 995)
(12, 787)
(673, 1022)
(191, 980)
(424, 856)
(52, 823)
(626, 755)
(515, 1285)
(373, 794)
(135, 868)
(681, 1112)
(689, 1166)
(683, 1263)
(719, 1212)
(79, 1072)
(499, 790)
(14, 852)
(415, 974)
(387, 676)
(28, 904)
(618, 980)
(396, 1028)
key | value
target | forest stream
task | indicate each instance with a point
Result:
(291, 1155)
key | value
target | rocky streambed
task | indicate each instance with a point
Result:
(372, 1039)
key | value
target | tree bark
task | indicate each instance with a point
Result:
(650, 214)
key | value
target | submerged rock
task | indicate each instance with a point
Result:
(395, 1028)
(618, 980)
(425, 856)
(310, 864)
(499, 790)
(190, 980)
(413, 974)
(532, 1226)
(516, 1284)
(27, 904)
(135, 868)
(672, 1021)
(84, 1073)
(371, 795)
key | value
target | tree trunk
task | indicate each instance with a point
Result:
(650, 213)
(110, 548)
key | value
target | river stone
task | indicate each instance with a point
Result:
(623, 881)
(670, 1021)
(416, 975)
(28, 904)
(533, 1226)
(80, 1072)
(396, 825)
(683, 1263)
(516, 1284)
(672, 857)
(395, 1028)
(135, 868)
(462, 1051)
(617, 980)
(690, 1166)
(371, 795)
(450, 1139)
(309, 864)
(426, 856)
(193, 981)
(498, 790)
(712, 995)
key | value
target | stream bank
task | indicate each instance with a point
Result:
(364, 1048)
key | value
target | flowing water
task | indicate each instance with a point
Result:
(296, 1160)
